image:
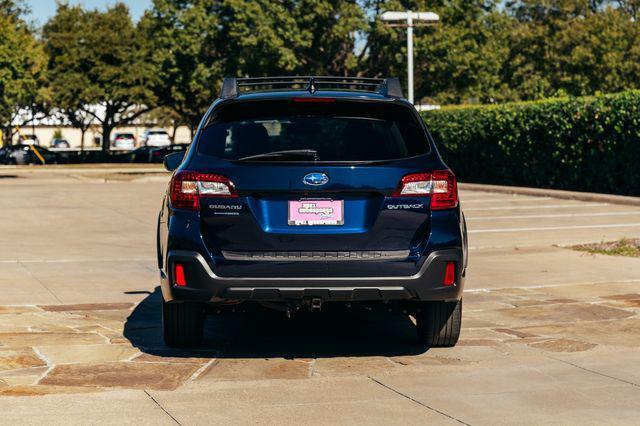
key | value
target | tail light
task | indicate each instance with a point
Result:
(188, 187)
(440, 185)
(179, 276)
(449, 274)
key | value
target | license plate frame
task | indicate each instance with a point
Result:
(313, 212)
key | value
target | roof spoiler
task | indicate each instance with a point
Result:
(389, 87)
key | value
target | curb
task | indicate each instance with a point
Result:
(87, 168)
(554, 193)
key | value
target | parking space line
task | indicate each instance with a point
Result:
(428, 407)
(39, 281)
(510, 247)
(494, 200)
(560, 215)
(555, 228)
(539, 286)
(162, 408)
(124, 259)
(537, 206)
(618, 379)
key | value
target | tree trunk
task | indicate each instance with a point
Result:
(10, 135)
(106, 136)
(82, 132)
(173, 132)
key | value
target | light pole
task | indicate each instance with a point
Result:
(423, 18)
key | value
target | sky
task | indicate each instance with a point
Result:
(42, 10)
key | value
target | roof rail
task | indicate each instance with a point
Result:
(389, 87)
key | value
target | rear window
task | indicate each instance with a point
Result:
(337, 131)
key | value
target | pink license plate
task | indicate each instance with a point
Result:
(316, 212)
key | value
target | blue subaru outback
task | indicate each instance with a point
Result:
(300, 193)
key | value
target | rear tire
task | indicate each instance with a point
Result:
(182, 324)
(438, 324)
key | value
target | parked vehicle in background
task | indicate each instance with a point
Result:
(135, 156)
(157, 154)
(148, 154)
(296, 199)
(60, 143)
(155, 137)
(28, 139)
(22, 154)
(123, 141)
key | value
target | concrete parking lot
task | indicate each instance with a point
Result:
(549, 334)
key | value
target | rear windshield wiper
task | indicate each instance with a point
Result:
(293, 154)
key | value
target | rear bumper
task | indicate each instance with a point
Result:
(205, 286)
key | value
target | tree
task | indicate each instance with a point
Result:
(329, 31)
(198, 42)
(22, 69)
(294, 36)
(460, 59)
(258, 37)
(383, 53)
(630, 7)
(13, 8)
(100, 67)
(72, 91)
(599, 53)
(184, 38)
(576, 47)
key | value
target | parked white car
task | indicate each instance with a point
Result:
(155, 137)
(123, 141)
(28, 140)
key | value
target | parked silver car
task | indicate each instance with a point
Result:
(123, 141)
(155, 137)
(59, 143)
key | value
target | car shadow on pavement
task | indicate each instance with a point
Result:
(269, 334)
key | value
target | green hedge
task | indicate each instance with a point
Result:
(585, 144)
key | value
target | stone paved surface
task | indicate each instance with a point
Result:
(549, 335)
(88, 348)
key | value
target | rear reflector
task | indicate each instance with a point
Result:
(188, 187)
(440, 185)
(179, 277)
(450, 274)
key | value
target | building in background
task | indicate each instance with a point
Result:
(49, 127)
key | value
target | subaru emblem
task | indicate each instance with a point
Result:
(315, 179)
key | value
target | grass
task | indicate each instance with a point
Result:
(624, 247)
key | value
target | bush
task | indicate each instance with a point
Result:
(585, 144)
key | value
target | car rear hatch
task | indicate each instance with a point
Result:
(321, 208)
